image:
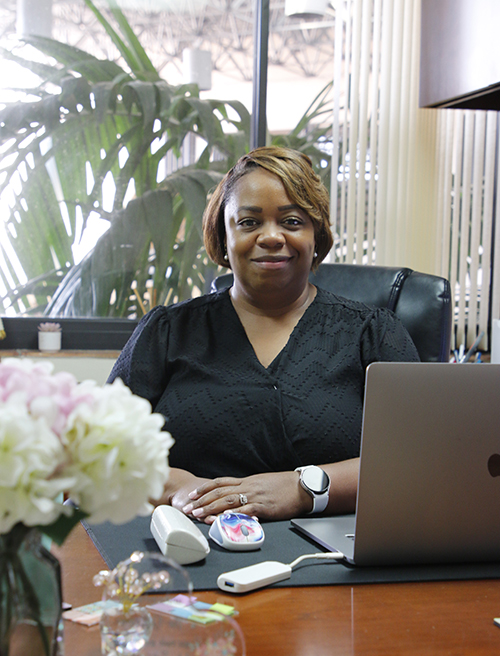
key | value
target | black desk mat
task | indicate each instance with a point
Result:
(282, 543)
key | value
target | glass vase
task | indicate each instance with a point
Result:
(125, 633)
(30, 596)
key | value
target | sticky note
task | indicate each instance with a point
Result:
(89, 614)
(195, 611)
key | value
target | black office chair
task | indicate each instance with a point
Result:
(421, 301)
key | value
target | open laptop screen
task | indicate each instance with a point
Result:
(429, 483)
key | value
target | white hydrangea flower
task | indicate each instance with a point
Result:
(102, 446)
(119, 454)
(30, 456)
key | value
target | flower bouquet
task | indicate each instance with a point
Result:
(68, 451)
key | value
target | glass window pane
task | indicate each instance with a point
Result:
(108, 146)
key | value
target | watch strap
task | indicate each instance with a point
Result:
(320, 500)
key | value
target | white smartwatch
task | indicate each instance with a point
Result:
(316, 483)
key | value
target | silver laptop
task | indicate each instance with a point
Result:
(429, 480)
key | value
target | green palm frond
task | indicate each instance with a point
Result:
(94, 125)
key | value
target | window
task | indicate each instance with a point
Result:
(106, 167)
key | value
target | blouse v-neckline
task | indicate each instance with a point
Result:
(274, 362)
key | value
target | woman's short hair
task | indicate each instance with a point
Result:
(302, 185)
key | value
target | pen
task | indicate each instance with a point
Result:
(473, 347)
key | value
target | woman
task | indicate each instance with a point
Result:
(262, 385)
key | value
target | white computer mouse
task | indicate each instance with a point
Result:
(177, 536)
(237, 532)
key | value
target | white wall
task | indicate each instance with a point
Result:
(82, 367)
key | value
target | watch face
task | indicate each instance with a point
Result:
(316, 479)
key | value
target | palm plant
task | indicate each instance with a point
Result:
(96, 124)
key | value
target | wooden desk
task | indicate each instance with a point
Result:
(453, 618)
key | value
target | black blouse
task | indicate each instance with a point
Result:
(231, 416)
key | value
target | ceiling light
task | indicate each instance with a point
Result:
(305, 8)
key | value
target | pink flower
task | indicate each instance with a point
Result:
(102, 447)
(52, 396)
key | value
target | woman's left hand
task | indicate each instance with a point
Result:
(270, 496)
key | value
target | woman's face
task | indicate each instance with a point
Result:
(269, 240)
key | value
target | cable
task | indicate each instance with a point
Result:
(336, 555)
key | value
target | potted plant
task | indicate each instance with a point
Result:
(54, 447)
(49, 336)
(95, 120)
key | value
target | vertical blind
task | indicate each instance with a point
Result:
(412, 187)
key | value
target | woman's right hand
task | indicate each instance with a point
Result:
(179, 484)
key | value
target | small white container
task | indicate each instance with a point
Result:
(495, 341)
(49, 341)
